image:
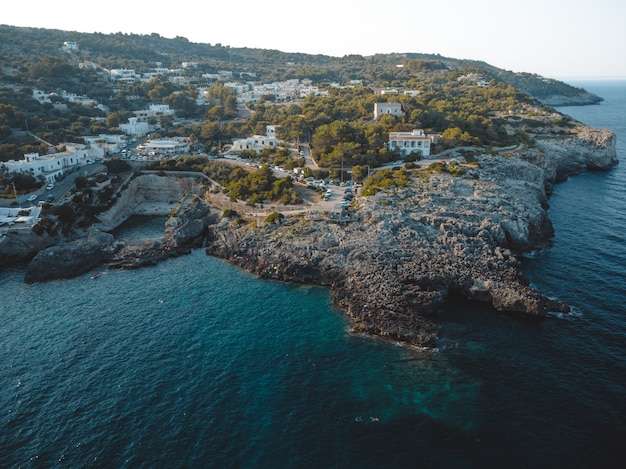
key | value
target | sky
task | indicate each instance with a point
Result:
(562, 39)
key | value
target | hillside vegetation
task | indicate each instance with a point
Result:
(465, 102)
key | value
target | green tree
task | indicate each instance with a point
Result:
(113, 120)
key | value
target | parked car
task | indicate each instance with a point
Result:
(50, 186)
(32, 198)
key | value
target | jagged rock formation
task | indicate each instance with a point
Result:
(70, 259)
(563, 156)
(405, 252)
(184, 230)
(582, 99)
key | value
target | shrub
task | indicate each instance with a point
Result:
(274, 217)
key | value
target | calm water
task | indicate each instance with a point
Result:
(194, 363)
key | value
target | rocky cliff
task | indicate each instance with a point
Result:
(148, 194)
(185, 229)
(562, 156)
(584, 98)
(404, 252)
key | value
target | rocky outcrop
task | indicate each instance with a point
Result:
(584, 98)
(72, 258)
(405, 252)
(21, 245)
(563, 156)
(184, 230)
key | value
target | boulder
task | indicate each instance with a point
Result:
(71, 258)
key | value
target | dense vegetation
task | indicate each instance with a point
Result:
(255, 187)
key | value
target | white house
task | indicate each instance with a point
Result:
(70, 45)
(415, 141)
(106, 143)
(393, 109)
(134, 127)
(256, 142)
(123, 74)
(154, 110)
(50, 167)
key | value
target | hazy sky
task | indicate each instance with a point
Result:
(564, 39)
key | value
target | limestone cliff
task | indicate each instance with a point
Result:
(586, 148)
(404, 252)
(147, 194)
(584, 98)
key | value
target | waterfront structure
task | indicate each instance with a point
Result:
(406, 143)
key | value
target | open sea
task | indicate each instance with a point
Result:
(194, 363)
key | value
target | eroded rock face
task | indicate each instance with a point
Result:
(564, 156)
(581, 99)
(184, 230)
(72, 258)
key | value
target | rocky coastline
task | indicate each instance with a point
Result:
(399, 256)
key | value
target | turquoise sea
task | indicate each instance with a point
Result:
(195, 363)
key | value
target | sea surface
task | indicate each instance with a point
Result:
(194, 363)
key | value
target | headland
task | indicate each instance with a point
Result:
(396, 257)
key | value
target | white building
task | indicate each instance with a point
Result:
(134, 127)
(410, 142)
(70, 45)
(256, 142)
(106, 143)
(393, 109)
(50, 167)
(167, 147)
(123, 74)
(154, 110)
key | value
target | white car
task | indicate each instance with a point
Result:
(50, 186)
(32, 198)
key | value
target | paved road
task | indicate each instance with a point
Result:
(59, 190)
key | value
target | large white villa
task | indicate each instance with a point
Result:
(135, 127)
(415, 141)
(383, 109)
(256, 142)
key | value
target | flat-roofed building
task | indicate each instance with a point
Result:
(415, 141)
